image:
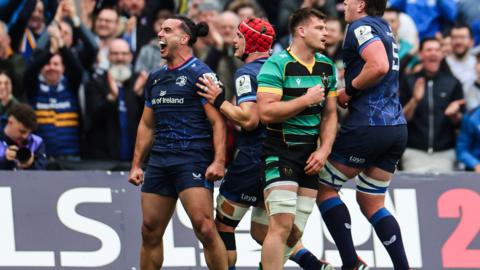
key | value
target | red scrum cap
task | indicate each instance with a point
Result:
(258, 34)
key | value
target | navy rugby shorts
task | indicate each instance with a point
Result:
(370, 146)
(171, 180)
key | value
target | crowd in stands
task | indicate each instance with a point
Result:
(82, 67)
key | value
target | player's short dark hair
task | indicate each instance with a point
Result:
(193, 30)
(302, 15)
(460, 25)
(375, 7)
(25, 115)
(428, 39)
(391, 9)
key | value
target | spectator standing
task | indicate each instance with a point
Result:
(52, 89)
(106, 28)
(76, 36)
(461, 62)
(114, 108)
(19, 148)
(432, 102)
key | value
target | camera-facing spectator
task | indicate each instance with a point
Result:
(54, 77)
(114, 108)
(432, 102)
(106, 29)
(461, 62)
(19, 148)
(7, 101)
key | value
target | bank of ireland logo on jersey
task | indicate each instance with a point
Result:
(163, 99)
(181, 81)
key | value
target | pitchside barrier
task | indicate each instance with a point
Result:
(91, 220)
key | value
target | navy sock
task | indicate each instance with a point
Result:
(232, 267)
(306, 260)
(388, 231)
(337, 218)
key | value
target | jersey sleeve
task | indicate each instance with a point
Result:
(360, 35)
(245, 87)
(206, 72)
(270, 78)
(332, 83)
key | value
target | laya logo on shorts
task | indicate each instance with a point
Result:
(356, 160)
(248, 198)
(197, 176)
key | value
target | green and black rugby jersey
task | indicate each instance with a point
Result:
(285, 75)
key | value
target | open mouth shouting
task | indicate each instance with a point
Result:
(163, 46)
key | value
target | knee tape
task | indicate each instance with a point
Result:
(330, 176)
(281, 201)
(288, 252)
(228, 239)
(259, 215)
(371, 186)
(304, 209)
(232, 214)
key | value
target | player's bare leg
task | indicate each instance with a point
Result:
(157, 211)
(198, 203)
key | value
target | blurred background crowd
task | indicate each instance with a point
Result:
(81, 66)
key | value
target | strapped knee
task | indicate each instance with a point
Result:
(228, 239)
(369, 185)
(230, 214)
(304, 209)
(281, 201)
(332, 177)
(259, 215)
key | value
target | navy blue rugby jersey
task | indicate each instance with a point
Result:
(181, 124)
(378, 105)
(246, 91)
